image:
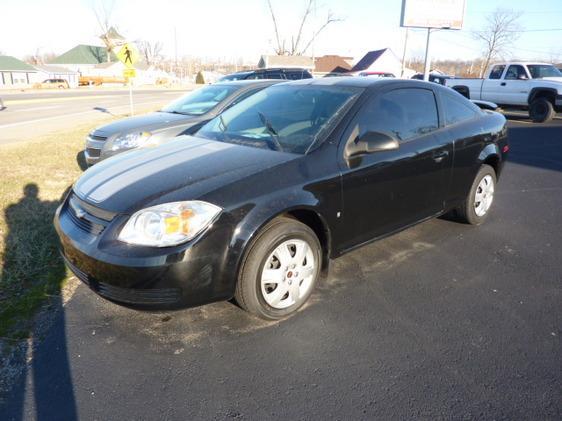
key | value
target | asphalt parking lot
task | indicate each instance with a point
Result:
(443, 320)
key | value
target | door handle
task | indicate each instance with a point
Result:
(440, 156)
(502, 84)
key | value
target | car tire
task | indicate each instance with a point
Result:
(541, 110)
(476, 207)
(286, 253)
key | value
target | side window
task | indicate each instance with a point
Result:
(276, 74)
(294, 75)
(457, 108)
(515, 72)
(496, 72)
(403, 113)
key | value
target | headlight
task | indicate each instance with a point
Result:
(169, 224)
(130, 141)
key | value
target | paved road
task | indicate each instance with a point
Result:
(443, 320)
(30, 115)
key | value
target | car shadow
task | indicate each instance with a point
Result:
(33, 272)
(536, 145)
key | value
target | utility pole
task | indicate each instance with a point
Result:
(404, 52)
(176, 49)
(427, 62)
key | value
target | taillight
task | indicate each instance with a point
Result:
(505, 149)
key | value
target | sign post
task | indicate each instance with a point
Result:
(129, 55)
(432, 14)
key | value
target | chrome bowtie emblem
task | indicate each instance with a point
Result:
(79, 213)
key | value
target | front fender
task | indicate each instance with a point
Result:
(258, 215)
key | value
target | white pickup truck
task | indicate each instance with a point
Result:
(523, 85)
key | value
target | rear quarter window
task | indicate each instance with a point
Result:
(457, 109)
(496, 72)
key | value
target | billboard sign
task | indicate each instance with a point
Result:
(447, 14)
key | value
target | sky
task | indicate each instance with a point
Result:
(233, 29)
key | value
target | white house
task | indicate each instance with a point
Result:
(384, 61)
(286, 62)
(50, 71)
(16, 73)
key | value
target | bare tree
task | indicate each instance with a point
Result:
(103, 11)
(297, 41)
(150, 51)
(499, 33)
(38, 57)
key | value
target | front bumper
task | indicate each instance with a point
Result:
(558, 101)
(191, 274)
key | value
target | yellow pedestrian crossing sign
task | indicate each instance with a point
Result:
(129, 73)
(128, 55)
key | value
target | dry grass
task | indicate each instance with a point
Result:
(34, 176)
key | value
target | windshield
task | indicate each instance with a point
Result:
(286, 118)
(543, 70)
(200, 101)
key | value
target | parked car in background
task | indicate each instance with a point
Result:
(338, 74)
(536, 87)
(279, 73)
(376, 74)
(257, 203)
(52, 84)
(434, 77)
(183, 116)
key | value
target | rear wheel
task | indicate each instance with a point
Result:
(280, 270)
(541, 110)
(477, 205)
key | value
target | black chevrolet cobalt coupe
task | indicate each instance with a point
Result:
(255, 205)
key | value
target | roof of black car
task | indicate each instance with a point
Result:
(253, 82)
(357, 81)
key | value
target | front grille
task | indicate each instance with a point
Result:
(85, 224)
(93, 153)
(98, 137)
(161, 296)
(86, 217)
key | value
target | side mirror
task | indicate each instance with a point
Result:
(371, 142)
(522, 77)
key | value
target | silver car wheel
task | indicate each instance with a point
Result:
(484, 195)
(288, 274)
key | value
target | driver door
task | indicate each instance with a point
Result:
(388, 190)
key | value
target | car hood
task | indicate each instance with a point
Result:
(148, 122)
(184, 169)
(553, 79)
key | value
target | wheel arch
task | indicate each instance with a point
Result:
(548, 93)
(463, 90)
(490, 155)
(249, 228)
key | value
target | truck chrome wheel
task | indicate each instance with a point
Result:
(484, 195)
(288, 274)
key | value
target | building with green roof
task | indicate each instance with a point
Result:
(83, 57)
(14, 72)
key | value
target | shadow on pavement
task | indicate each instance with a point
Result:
(536, 145)
(33, 269)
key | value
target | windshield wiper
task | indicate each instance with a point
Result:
(272, 133)
(223, 124)
(174, 112)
